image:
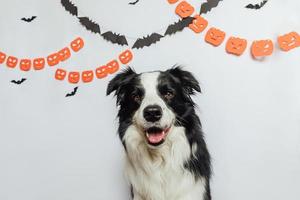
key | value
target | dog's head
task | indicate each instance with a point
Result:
(153, 102)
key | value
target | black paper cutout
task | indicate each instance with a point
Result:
(257, 6)
(147, 41)
(179, 26)
(70, 7)
(18, 82)
(89, 24)
(29, 19)
(133, 3)
(208, 6)
(115, 38)
(72, 93)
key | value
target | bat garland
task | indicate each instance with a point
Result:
(235, 45)
(257, 6)
(29, 19)
(133, 3)
(72, 93)
(208, 6)
(120, 39)
(18, 82)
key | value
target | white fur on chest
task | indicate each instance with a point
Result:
(159, 174)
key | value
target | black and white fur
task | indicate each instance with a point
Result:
(177, 165)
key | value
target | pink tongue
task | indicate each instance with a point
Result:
(156, 137)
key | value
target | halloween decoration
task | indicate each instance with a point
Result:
(89, 24)
(147, 41)
(184, 9)
(2, 57)
(115, 38)
(172, 1)
(18, 82)
(179, 26)
(74, 77)
(60, 74)
(87, 76)
(53, 59)
(208, 6)
(77, 44)
(289, 41)
(125, 57)
(257, 6)
(38, 63)
(25, 64)
(262, 48)
(28, 19)
(199, 24)
(236, 46)
(72, 93)
(12, 62)
(133, 3)
(214, 36)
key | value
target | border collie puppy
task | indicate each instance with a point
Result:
(166, 155)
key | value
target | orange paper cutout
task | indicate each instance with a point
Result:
(12, 62)
(214, 36)
(60, 74)
(64, 54)
(2, 57)
(53, 59)
(101, 72)
(289, 41)
(199, 24)
(125, 57)
(87, 76)
(38, 63)
(236, 46)
(172, 1)
(77, 44)
(112, 66)
(74, 77)
(262, 48)
(25, 64)
(184, 9)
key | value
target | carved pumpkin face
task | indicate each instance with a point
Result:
(236, 46)
(60, 74)
(38, 63)
(2, 57)
(12, 62)
(172, 1)
(125, 57)
(184, 9)
(289, 41)
(74, 77)
(87, 76)
(262, 48)
(101, 72)
(64, 54)
(199, 24)
(77, 44)
(25, 64)
(53, 59)
(214, 36)
(112, 66)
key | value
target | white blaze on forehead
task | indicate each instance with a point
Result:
(149, 82)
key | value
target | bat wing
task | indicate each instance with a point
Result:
(115, 38)
(178, 26)
(70, 7)
(147, 41)
(208, 6)
(72, 93)
(89, 24)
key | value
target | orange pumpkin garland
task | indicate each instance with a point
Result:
(236, 46)
(215, 36)
(184, 9)
(199, 24)
(25, 64)
(289, 41)
(262, 48)
(11, 62)
(2, 57)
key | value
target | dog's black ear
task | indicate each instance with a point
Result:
(120, 80)
(187, 79)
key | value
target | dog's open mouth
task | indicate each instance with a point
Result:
(156, 136)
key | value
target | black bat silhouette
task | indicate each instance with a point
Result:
(115, 38)
(178, 26)
(89, 24)
(72, 93)
(18, 82)
(28, 19)
(208, 6)
(257, 6)
(70, 7)
(147, 41)
(133, 3)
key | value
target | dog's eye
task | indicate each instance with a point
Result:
(169, 95)
(136, 97)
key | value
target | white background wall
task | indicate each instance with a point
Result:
(52, 147)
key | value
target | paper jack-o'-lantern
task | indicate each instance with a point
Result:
(77, 44)
(236, 46)
(74, 77)
(12, 61)
(184, 9)
(2, 57)
(262, 48)
(112, 66)
(53, 59)
(101, 72)
(199, 24)
(289, 41)
(60, 74)
(214, 36)
(172, 1)
(125, 57)
(25, 64)
(87, 76)
(38, 63)
(64, 54)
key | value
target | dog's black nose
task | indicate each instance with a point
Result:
(152, 113)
